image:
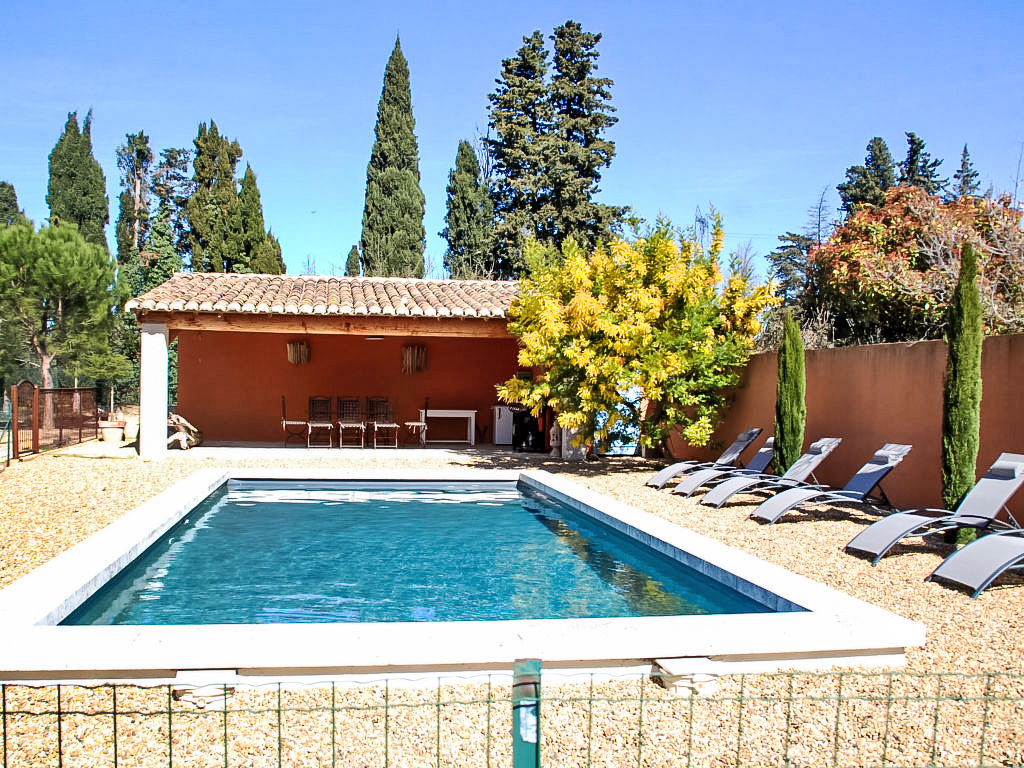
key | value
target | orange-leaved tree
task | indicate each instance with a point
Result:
(888, 273)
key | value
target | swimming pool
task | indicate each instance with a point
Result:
(808, 625)
(269, 552)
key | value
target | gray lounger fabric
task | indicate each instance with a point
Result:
(979, 563)
(703, 477)
(857, 491)
(978, 510)
(728, 459)
(802, 468)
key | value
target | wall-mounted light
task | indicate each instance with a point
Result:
(298, 352)
(374, 338)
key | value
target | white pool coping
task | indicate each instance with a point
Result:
(835, 629)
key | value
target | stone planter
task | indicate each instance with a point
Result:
(131, 428)
(111, 431)
(572, 452)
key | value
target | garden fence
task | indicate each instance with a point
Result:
(785, 719)
(50, 418)
(5, 430)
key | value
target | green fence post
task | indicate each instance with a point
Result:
(526, 713)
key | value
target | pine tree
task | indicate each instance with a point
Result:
(866, 184)
(9, 211)
(520, 118)
(919, 169)
(55, 288)
(580, 115)
(468, 221)
(965, 180)
(352, 262)
(789, 266)
(393, 237)
(961, 396)
(790, 408)
(214, 215)
(77, 189)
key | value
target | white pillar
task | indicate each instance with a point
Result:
(153, 392)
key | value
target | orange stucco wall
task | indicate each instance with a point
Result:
(886, 393)
(230, 384)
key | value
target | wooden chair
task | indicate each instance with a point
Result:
(378, 411)
(320, 420)
(294, 429)
(350, 419)
(418, 429)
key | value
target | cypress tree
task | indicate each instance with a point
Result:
(135, 161)
(250, 211)
(790, 408)
(580, 115)
(261, 252)
(965, 180)
(919, 169)
(161, 258)
(77, 189)
(520, 118)
(268, 259)
(214, 215)
(467, 227)
(9, 211)
(961, 394)
(352, 262)
(393, 237)
(866, 184)
(172, 186)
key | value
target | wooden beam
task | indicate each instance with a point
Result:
(374, 325)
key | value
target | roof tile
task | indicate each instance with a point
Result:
(309, 294)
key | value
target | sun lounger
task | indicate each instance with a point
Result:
(729, 458)
(978, 510)
(857, 491)
(762, 459)
(795, 476)
(979, 563)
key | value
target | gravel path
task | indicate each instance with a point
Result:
(54, 501)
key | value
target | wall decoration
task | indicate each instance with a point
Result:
(414, 358)
(298, 352)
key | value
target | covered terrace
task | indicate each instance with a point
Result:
(244, 341)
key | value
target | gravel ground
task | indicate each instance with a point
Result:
(54, 501)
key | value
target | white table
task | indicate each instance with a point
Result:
(450, 413)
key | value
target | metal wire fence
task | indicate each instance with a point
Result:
(791, 719)
(5, 432)
(50, 418)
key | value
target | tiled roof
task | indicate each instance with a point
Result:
(319, 295)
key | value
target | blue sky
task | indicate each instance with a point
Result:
(754, 108)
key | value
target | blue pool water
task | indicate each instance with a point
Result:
(260, 552)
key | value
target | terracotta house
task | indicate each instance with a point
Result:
(244, 341)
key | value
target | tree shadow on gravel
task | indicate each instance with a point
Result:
(516, 460)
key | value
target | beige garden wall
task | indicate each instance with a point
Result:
(886, 393)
